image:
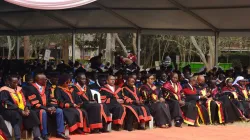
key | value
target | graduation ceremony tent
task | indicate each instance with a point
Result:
(185, 17)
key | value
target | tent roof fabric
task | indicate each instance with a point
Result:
(186, 17)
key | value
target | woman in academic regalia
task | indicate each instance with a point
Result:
(230, 91)
(76, 118)
(243, 94)
(172, 92)
(153, 99)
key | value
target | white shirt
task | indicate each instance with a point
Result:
(39, 87)
(112, 88)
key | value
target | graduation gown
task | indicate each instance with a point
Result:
(193, 97)
(233, 96)
(75, 117)
(214, 108)
(41, 101)
(231, 112)
(243, 97)
(109, 98)
(140, 112)
(172, 93)
(4, 132)
(97, 113)
(159, 110)
(14, 103)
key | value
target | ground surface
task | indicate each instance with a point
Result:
(234, 131)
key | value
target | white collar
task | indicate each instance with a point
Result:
(112, 88)
(40, 87)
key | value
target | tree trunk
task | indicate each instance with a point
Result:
(108, 48)
(11, 46)
(134, 43)
(211, 59)
(65, 51)
(26, 47)
(199, 52)
(121, 44)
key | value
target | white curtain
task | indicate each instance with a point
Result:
(50, 4)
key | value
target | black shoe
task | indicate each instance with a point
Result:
(62, 136)
(38, 138)
(195, 125)
(46, 137)
(95, 131)
(79, 131)
(178, 124)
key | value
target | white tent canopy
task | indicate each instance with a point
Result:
(186, 17)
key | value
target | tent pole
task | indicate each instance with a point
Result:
(216, 39)
(17, 47)
(73, 46)
(138, 41)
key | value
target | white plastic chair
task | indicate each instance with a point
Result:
(98, 95)
(151, 123)
(8, 124)
(99, 101)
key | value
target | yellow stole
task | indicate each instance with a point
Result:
(16, 96)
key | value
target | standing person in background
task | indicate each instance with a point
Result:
(96, 62)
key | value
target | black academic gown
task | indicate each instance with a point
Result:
(193, 97)
(12, 113)
(172, 94)
(214, 108)
(138, 112)
(76, 118)
(243, 97)
(231, 112)
(110, 99)
(41, 102)
(159, 110)
(97, 113)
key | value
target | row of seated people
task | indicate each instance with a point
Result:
(37, 106)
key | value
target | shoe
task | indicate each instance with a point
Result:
(38, 138)
(46, 137)
(245, 119)
(95, 131)
(142, 126)
(62, 136)
(79, 131)
(195, 125)
(178, 124)
(163, 126)
(118, 128)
